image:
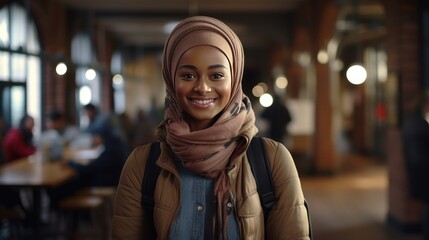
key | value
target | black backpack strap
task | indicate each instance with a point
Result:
(262, 173)
(148, 186)
(261, 170)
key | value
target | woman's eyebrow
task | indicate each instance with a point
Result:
(216, 66)
(192, 67)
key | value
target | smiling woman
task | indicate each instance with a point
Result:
(206, 188)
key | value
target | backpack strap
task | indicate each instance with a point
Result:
(148, 186)
(261, 170)
(262, 173)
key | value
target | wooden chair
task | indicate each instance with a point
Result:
(107, 193)
(108, 196)
(75, 210)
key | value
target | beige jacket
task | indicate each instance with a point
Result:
(287, 220)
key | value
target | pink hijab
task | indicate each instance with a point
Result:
(208, 152)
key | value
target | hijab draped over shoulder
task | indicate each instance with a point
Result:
(207, 152)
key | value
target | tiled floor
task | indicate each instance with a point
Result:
(351, 204)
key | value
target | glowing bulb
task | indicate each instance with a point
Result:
(90, 74)
(356, 74)
(117, 79)
(61, 68)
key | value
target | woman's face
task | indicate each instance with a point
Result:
(29, 124)
(203, 85)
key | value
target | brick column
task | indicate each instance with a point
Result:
(403, 51)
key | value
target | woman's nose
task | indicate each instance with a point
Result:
(202, 86)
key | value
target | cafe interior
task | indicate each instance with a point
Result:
(347, 70)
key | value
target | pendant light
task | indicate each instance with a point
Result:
(356, 73)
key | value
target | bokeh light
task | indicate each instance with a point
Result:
(90, 74)
(266, 100)
(356, 74)
(61, 68)
(281, 82)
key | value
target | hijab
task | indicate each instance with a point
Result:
(211, 151)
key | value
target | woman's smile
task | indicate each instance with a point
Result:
(202, 103)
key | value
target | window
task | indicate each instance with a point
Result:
(20, 66)
(87, 78)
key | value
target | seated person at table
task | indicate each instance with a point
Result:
(18, 142)
(58, 135)
(96, 119)
(103, 171)
(106, 168)
(2, 157)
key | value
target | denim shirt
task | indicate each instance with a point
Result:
(195, 217)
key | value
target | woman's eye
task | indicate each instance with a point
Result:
(217, 76)
(188, 76)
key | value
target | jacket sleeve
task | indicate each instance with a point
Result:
(15, 146)
(128, 216)
(288, 218)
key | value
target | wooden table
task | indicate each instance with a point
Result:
(36, 174)
(82, 156)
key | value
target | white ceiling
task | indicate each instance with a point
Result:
(141, 22)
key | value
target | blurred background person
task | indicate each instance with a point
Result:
(415, 135)
(2, 156)
(101, 171)
(9, 198)
(106, 168)
(18, 142)
(278, 117)
(95, 119)
(58, 135)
